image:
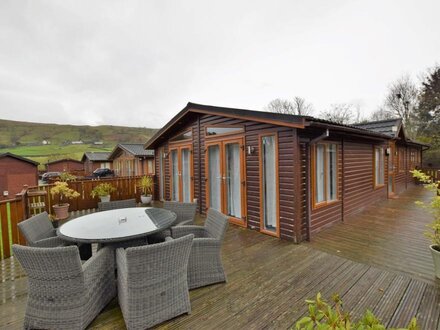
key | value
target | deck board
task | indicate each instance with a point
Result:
(269, 279)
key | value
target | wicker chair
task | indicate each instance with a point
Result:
(39, 231)
(186, 212)
(205, 265)
(63, 293)
(105, 206)
(152, 282)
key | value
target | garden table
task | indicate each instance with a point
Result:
(113, 226)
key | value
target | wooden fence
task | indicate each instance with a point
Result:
(34, 200)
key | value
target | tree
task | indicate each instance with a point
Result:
(382, 114)
(401, 100)
(298, 106)
(341, 113)
(428, 112)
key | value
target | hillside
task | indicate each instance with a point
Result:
(26, 139)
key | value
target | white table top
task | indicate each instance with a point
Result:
(116, 225)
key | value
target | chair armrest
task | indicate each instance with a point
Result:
(206, 243)
(184, 223)
(49, 242)
(95, 268)
(180, 231)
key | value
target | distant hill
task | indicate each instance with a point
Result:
(29, 139)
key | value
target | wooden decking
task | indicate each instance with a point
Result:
(269, 279)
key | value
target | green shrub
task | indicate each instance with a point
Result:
(322, 316)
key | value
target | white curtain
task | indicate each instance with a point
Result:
(331, 171)
(233, 179)
(214, 178)
(186, 178)
(269, 183)
(175, 172)
(162, 175)
(319, 189)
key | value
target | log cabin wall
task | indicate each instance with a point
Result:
(287, 148)
(359, 189)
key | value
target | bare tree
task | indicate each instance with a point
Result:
(281, 106)
(382, 114)
(402, 100)
(299, 106)
(341, 113)
(302, 107)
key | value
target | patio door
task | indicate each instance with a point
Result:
(181, 173)
(225, 178)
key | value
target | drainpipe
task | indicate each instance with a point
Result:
(309, 198)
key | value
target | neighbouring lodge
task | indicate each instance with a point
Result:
(94, 160)
(131, 159)
(284, 175)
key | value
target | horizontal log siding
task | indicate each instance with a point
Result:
(325, 216)
(252, 131)
(401, 171)
(304, 193)
(358, 177)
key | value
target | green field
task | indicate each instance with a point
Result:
(26, 139)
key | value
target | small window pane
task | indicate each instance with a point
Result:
(222, 130)
(269, 183)
(379, 166)
(175, 176)
(184, 136)
(319, 174)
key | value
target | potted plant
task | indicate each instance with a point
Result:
(103, 191)
(146, 186)
(61, 188)
(434, 207)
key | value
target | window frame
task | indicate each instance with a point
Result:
(207, 136)
(377, 185)
(325, 202)
(263, 230)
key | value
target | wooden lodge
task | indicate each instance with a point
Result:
(283, 175)
(16, 171)
(65, 165)
(131, 159)
(94, 160)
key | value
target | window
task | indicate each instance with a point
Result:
(379, 167)
(216, 130)
(182, 136)
(161, 174)
(325, 173)
(150, 166)
(269, 184)
(401, 160)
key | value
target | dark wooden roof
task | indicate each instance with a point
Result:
(389, 127)
(96, 156)
(64, 160)
(258, 116)
(27, 160)
(136, 149)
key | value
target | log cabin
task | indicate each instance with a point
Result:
(66, 165)
(94, 160)
(283, 175)
(131, 159)
(15, 172)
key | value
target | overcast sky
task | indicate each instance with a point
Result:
(137, 63)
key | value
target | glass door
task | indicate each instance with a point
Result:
(225, 188)
(181, 173)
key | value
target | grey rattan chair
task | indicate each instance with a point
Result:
(186, 212)
(152, 282)
(39, 231)
(205, 265)
(105, 206)
(63, 294)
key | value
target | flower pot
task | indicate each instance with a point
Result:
(61, 211)
(105, 199)
(146, 199)
(435, 251)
